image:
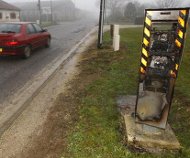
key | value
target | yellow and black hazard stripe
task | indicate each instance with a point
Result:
(182, 26)
(182, 22)
(181, 33)
(146, 43)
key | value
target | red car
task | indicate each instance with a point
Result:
(21, 38)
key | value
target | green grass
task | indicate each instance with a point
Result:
(97, 133)
(46, 24)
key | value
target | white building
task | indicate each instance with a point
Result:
(8, 12)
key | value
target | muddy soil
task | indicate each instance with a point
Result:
(63, 116)
(53, 139)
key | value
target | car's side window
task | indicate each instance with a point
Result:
(37, 27)
(30, 29)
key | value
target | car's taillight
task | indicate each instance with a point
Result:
(11, 43)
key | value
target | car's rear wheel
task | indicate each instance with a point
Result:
(48, 43)
(27, 52)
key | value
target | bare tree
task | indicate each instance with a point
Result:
(113, 4)
(130, 11)
(168, 3)
(112, 8)
(115, 8)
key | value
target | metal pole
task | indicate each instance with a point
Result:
(51, 5)
(39, 7)
(101, 24)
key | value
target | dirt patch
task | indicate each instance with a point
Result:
(53, 138)
(63, 116)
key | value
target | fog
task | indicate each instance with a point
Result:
(91, 5)
(88, 5)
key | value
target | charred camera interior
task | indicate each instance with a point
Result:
(162, 48)
(163, 54)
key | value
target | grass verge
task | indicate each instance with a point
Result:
(104, 76)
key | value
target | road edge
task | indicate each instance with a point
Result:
(35, 87)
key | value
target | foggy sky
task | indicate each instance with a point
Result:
(90, 4)
(82, 4)
(86, 4)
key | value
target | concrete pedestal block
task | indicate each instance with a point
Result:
(143, 136)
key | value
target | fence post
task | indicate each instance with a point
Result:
(116, 38)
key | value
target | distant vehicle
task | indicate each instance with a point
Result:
(20, 38)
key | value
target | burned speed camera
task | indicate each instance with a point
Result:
(162, 48)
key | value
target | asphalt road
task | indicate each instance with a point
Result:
(15, 72)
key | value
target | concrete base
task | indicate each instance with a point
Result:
(143, 136)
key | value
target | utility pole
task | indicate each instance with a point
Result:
(39, 7)
(101, 23)
(51, 6)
